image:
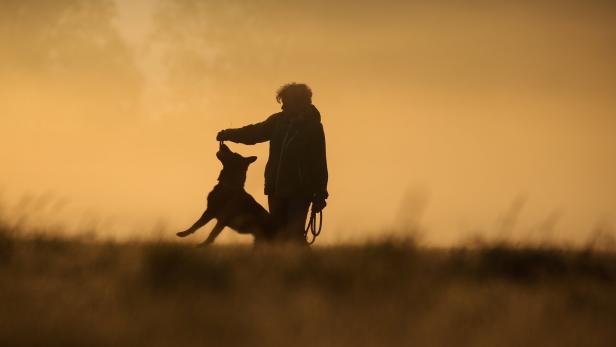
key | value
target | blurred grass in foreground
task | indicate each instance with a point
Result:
(69, 292)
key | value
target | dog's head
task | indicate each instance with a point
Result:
(232, 160)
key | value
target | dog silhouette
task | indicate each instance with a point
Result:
(231, 205)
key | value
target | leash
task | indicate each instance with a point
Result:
(312, 231)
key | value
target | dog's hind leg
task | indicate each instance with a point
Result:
(205, 218)
(217, 229)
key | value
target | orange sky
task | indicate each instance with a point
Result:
(447, 116)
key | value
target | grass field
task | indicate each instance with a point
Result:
(63, 292)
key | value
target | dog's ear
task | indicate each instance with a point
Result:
(251, 159)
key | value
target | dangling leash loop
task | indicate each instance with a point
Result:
(312, 231)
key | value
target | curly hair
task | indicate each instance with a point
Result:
(294, 93)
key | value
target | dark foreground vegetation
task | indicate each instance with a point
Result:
(58, 292)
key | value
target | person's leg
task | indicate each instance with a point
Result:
(278, 215)
(289, 218)
(296, 225)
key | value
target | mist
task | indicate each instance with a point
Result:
(444, 120)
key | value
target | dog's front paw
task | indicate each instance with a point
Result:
(184, 233)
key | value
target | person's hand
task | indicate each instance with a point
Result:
(318, 205)
(223, 135)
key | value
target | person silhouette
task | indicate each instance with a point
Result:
(296, 171)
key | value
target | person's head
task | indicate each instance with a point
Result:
(294, 96)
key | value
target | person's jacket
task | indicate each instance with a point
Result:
(297, 163)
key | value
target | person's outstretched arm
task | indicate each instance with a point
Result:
(250, 134)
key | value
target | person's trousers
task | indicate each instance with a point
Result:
(289, 217)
